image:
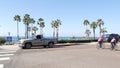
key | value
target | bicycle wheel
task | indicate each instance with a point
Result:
(116, 47)
(98, 46)
(103, 46)
(112, 46)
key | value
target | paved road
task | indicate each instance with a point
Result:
(75, 56)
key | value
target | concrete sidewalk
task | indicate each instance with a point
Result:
(9, 47)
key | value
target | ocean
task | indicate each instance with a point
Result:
(14, 38)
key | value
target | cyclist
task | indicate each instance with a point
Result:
(100, 41)
(113, 43)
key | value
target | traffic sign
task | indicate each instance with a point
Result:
(9, 39)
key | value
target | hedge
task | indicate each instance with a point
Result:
(76, 41)
(2, 40)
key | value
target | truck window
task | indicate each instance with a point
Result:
(39, 36)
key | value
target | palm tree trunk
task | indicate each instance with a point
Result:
(53, 33)
(17, 31)
(41, 30)
(31, 29)
(57, 34)
(86, 30)
(35, 33)
(88, 37)
(94, 33)
(27, 31)
(100, 30)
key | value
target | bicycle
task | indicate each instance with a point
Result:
(114, 46)
(100, 45)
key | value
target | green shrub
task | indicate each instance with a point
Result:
(76, 41)
(2, 40)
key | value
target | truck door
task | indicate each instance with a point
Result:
(38, 42)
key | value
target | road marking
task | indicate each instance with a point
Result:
(5, 58)
(6, 55)
(7, 52)
(1, 66)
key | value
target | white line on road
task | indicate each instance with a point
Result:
(1, 66)
(8, 52)
(6, 55)
(5, 58)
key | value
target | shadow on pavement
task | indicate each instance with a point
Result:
(57, 46)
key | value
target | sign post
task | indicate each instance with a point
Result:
(9, 39)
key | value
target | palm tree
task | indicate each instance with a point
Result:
(41, 24)
(32, 21)
(103, 30)
(26, 21)
(55, 25)
(100, 23)
(86, 22)
(87, 32)
(34, 29)
(18, 19)
(93, 26)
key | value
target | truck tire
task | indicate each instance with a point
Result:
(23, 47)
(44, 46)
(50, 44)
(28, 45)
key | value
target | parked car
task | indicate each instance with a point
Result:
(38, 41)
(116, 36)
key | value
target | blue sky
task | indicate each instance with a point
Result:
(72, 13)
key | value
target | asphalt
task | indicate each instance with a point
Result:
(70, 56)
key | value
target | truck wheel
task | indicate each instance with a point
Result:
(23, 47)
(44, 46)
(51, 45)
(28, 45)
